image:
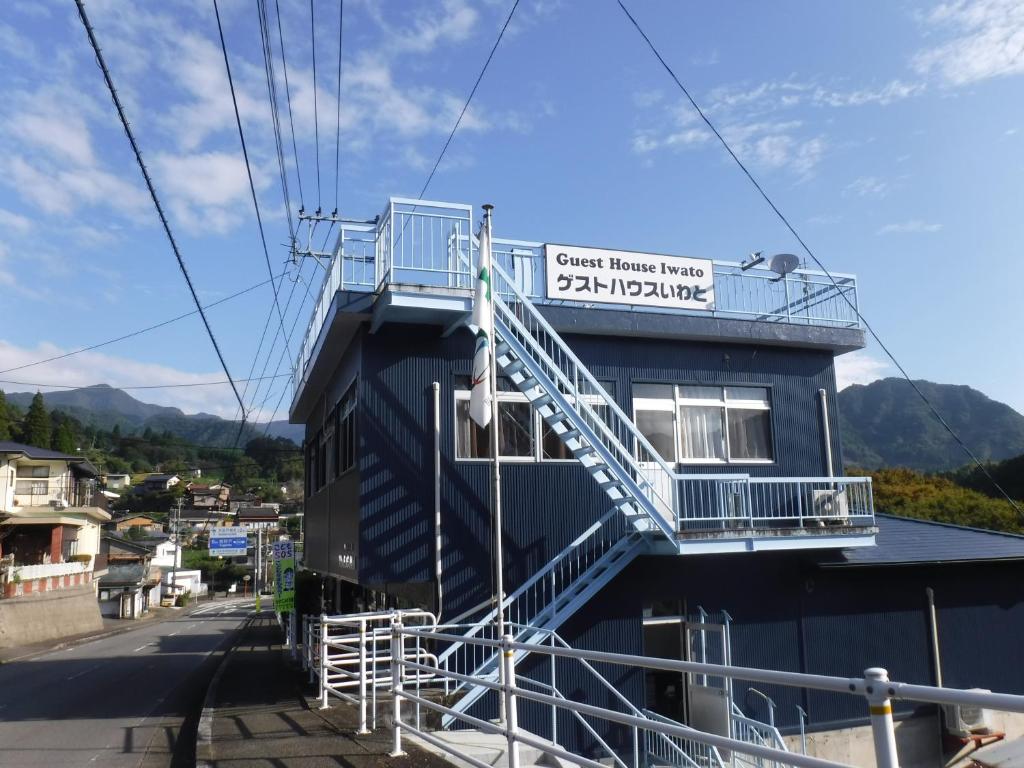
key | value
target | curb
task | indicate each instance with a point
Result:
(135, 625)
(204, 731)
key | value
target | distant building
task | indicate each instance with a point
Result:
(146, 523)
(116, 482)
(264, 517)
(208, 497)
(131, 585)
(159, 482)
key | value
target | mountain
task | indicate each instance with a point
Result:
(104, 406)
(886, 424)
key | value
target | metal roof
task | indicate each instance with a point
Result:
(906, 541)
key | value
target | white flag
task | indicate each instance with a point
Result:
(480, 394)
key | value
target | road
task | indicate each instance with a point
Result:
(118, 701)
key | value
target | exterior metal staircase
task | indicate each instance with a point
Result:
(637, 481)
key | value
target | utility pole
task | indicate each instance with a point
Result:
(175, 528)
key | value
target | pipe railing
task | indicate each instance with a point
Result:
(875, 687)
(417, 243)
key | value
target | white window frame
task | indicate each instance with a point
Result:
(463, 395)
(657, 404)
(537, 425)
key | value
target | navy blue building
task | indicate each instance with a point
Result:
(669, 451)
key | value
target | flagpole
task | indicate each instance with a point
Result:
(499, 581)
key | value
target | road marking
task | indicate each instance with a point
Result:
(85, 672)
(143, 646)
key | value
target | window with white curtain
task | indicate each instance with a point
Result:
(703, 424)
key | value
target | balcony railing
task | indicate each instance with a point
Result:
(57, 492)
(430, 244)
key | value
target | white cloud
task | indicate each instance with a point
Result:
(207, 191)
(860, 368)
(65, 191)
(90, 368)
(16, 45)
(868, 186)
(913, 226)
(14, 222)
(987, 41)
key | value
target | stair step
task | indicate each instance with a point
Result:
(514, 367)
(502, 349)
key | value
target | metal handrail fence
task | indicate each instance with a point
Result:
(352, 657)
(417, 242)
(875, 687)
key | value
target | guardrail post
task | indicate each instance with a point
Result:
(876, 688)
(508, 663)
(396, 688)
(323, 662)
(363, 730)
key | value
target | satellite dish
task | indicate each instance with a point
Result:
(783, 263)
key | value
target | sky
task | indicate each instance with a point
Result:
(890, 133)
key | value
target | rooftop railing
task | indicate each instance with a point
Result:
(417, 243)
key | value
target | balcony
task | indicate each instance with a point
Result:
(56, 492)
(421, 253)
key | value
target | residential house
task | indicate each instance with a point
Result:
(159, 482)
(209, 497)
(131, 585)
(244, 500)
(117, 481)
(145, 523)
(670, 447)
(51, 516)
(263, 517)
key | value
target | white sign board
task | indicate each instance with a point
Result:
(231, 541)
(601, 276)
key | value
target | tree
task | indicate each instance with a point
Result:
(5, 418)
(36, 428)
(63, 438)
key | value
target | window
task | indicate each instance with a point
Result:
(29, 471)
(523, 435)
(515, 432)
(345, 432)
(701, 424)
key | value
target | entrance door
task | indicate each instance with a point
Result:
(708, 696)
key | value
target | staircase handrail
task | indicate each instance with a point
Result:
(542, 572)
(581, 368)
(713, 752)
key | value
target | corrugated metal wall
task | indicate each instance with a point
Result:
(788, 613)
(545, 505)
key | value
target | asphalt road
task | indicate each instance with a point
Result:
(132, 699)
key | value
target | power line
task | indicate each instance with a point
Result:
(248, 168)
(288, 95)
(268, 65)
(462, 114)
(337, 136)
(152, 192)
(138, 332)
(135, 386)
(817, 261)
(316, 118)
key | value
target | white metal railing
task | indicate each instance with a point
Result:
(875, 687)
(678, 750)
(674, 501)
(416, 242)
(550, 590)
(349, 656)
(46, 570)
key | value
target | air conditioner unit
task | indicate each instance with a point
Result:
(832, 506)
(59, 503)
(967, 719)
